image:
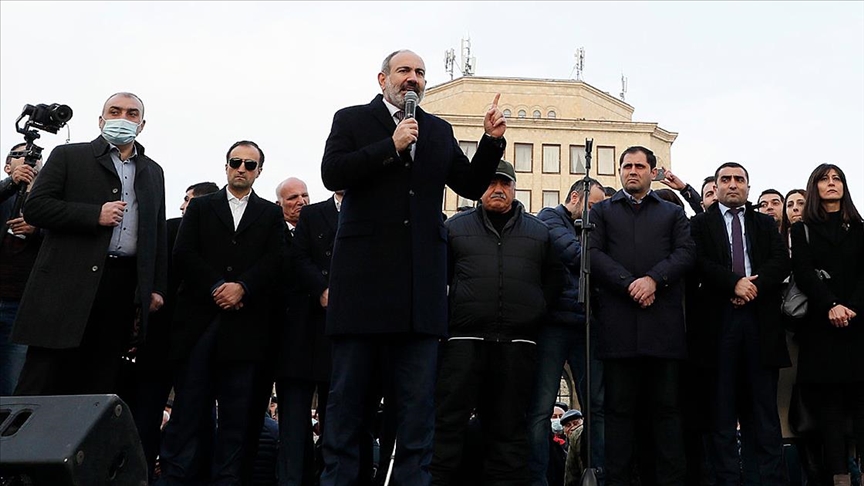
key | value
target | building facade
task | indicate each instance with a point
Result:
(547, 124)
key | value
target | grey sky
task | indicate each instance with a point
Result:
(776, 86)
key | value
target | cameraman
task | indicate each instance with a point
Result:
(19, 245)
(102, 205)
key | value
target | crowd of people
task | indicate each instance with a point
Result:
(431, 349)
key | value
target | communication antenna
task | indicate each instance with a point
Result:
(623, 86)
(580, 63)
(449, 59)
(469, 64)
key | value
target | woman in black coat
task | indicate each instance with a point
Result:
(831, 355)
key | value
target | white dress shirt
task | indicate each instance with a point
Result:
(238, 207)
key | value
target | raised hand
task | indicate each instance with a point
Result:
(494, 122)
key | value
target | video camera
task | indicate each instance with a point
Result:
(50, 118)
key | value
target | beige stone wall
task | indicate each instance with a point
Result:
(581, 112)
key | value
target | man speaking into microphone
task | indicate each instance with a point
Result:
(388, 305)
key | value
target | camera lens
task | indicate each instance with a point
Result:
(60, 113)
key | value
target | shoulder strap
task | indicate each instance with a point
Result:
(807, 233)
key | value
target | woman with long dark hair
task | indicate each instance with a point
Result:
(793, 212)
(829, 269)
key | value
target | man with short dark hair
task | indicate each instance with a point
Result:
(503, 270)
(709, 192)
(742, 262)
(227, 254)
(19, 245)
(562, 338)
(193, 191)
(640, 251)
(102, 205)
(391, 247)
(772, 203)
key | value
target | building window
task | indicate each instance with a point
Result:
(507, 113)
(606, 160)
(524, 157)
(536, 114)
(524, 196)
(522, 114)
(469, 148)
(551, 159)
(551, 114)
(550, 199)
(577, 159)
(463, 202)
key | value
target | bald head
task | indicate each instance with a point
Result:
(292, 195)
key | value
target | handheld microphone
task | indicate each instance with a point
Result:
(411, 100)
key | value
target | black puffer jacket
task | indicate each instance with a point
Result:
(499, 285)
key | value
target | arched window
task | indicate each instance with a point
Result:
(522, 114)
(507, 113)
(551, 114)
(536, 114)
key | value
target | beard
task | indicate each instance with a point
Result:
(394, 94)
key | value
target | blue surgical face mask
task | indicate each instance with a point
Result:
(119, 131)
(557, 428)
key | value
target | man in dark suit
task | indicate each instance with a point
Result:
(640, 251)
(742, 262)
(227, 254)
(304, 357)
(154, 372)
(104, 254)
(387, 299)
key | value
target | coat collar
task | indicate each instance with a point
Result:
(102, 152)
(223, 210)
(382, 114)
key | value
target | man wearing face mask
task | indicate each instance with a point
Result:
(103, 256)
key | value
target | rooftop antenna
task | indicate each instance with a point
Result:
(468, 63)
(623, 86)
(580, 63)
(449, 59)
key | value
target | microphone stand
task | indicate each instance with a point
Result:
(589, 476)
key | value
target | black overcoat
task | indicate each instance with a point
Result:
(828, 354)
(305, 350)
(627, 244)
(66, 201)
(208, 252)
(389, 268)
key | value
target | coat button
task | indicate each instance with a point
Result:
(406, 222)
(324, 272)
(410, 192)
(230, 269)
(114, 190)
(327, 253)
(94, 268)
(407, 164)
(320, 236)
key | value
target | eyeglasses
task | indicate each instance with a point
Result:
(249, 164)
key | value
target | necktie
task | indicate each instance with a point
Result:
(737, 244)
(400, 115)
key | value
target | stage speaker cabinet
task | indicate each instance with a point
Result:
(81, 440)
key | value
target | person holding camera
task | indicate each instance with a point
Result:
(19, 245)
(104, 254)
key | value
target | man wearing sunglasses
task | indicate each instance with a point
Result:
(19, 245)
(102, 205)
(227, 256)
(387, 300)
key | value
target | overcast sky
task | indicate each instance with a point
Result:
(777, 86)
